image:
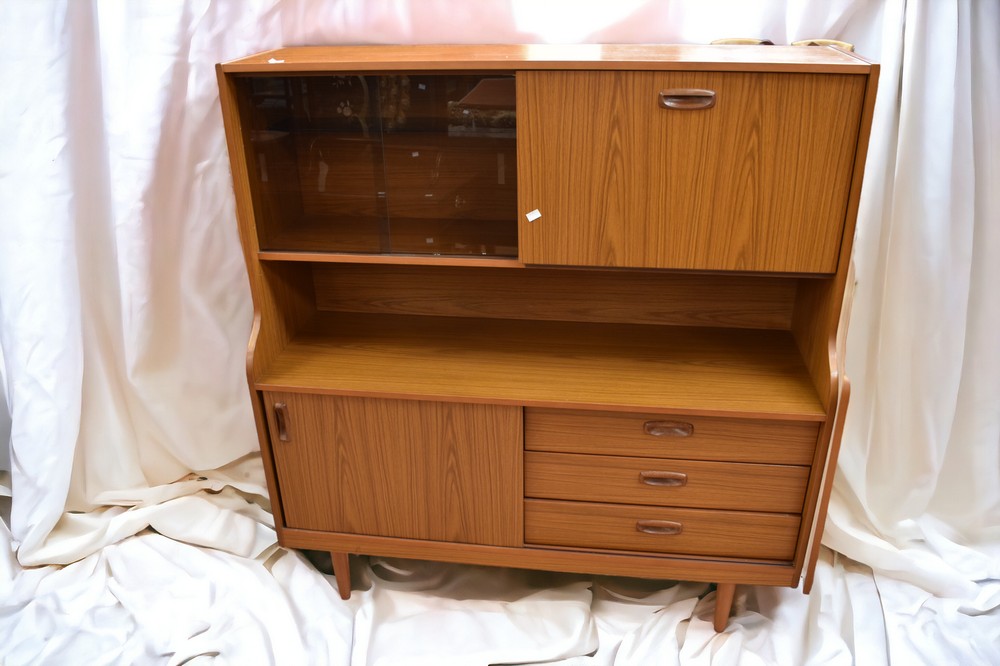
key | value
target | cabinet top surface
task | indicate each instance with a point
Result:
(430, 57)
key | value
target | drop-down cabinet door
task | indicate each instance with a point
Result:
(744, 171)
(409, 469)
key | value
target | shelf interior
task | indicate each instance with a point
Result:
(694, 370)
(400, 236)
(383, 165)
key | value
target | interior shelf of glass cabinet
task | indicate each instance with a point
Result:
(694, 370)
(453, 237)
(389, 259)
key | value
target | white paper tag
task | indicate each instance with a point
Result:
(533, 215)
(274, 61)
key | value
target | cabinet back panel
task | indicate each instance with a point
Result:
(558, 295)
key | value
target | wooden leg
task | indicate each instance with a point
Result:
(723, 604)
(342, 572)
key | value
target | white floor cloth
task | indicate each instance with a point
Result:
(135, 520)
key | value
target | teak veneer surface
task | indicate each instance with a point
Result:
(451, 57)
(743, 534)
(706, 485)
(623, 434)
(757, 182)
(626, 297)
(707, 371)
(400, 468)
(554, 558)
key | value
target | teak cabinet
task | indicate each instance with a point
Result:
(561, 307)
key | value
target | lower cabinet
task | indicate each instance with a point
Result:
(670, 496)
(500, 475)
(410, 469)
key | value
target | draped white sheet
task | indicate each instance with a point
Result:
(124, 311)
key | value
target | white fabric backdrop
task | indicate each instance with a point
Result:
(124, 311)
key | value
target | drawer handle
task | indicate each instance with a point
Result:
(281, 420)
(653, 478)
(668, 428)
(687, 98)
(658, 527)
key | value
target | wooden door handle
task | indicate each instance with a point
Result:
(687, 98)
(656, 478)
(666, 527)
(281, 420)
(668, 428)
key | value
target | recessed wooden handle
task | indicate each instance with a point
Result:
(668, 428)
(657, 478)
(687, 98)
(281, 420)
(658, 527)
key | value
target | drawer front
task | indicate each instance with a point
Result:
(682, 483)
(739, 534)
(667, 436)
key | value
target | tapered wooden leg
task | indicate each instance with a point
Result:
(723, 604)
(342, 572)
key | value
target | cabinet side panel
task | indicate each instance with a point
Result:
(283, 296)
(400, 468)
(819, 306)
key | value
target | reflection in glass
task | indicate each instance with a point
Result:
(404, 164)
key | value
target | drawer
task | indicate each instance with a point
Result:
(682, 483)
(739, 534)
(670, 436)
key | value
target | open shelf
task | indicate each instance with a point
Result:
(663, 369)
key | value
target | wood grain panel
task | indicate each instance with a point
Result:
(702, 485)
(724, 440)
(758, 182)
(418, 470)
(290, 287)
(698, 371)
(555, 558)
(819, 307)
(559, 295)
(817, 511)
(770, 536)
(432, 57)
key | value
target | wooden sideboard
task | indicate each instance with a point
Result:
(559, 307)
